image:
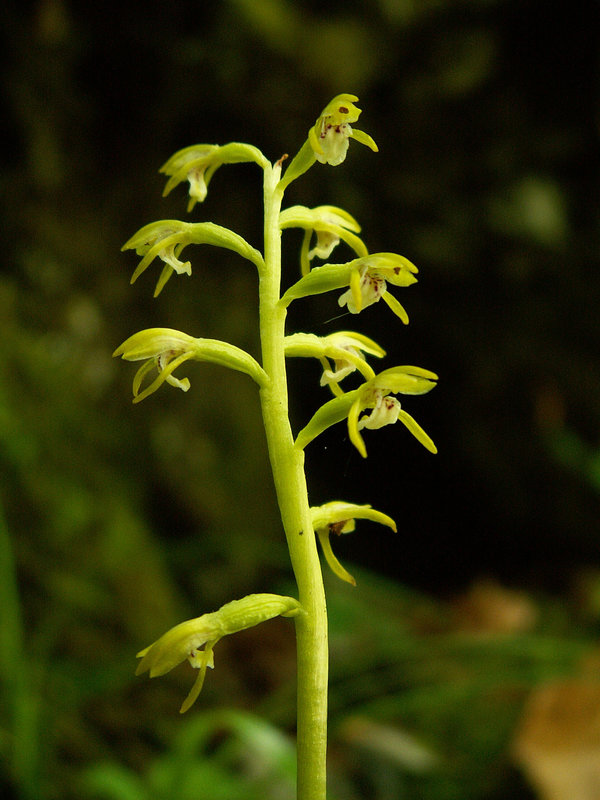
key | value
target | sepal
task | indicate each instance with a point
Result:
(339, 511)
(405, 380)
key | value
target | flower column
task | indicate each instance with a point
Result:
(290, 483)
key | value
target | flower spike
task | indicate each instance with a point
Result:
(195, 639)
(339, 517)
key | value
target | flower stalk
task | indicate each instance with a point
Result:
(287, 463)
(372, 405)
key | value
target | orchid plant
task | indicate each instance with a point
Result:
(163, 351)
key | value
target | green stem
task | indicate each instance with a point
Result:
(287, 463)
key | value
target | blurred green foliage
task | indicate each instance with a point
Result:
(119, 522)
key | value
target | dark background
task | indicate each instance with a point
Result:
(123, 520)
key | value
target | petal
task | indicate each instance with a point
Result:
(417, 431)
(353, 431)
(138, 379)
(166, 273)
(393, 267)
(396, 307)
(333, 562)
(147, 236)
(364, 138)
(181, 163)
(164, 375)
(404, 380)
(345, 348)
(341, 109)
(318, 217)
(355, 289)
(358, 340)
(203, 156)
(205, 661)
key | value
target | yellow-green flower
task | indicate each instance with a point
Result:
(330, 224)
(327, 140)
(195, 639)
(369, 279)
(164, 350)
(167, 238)
(329, 135)
(366, 277)
(339, 517)
(198, 163)
(375, 395)
(345, 348)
